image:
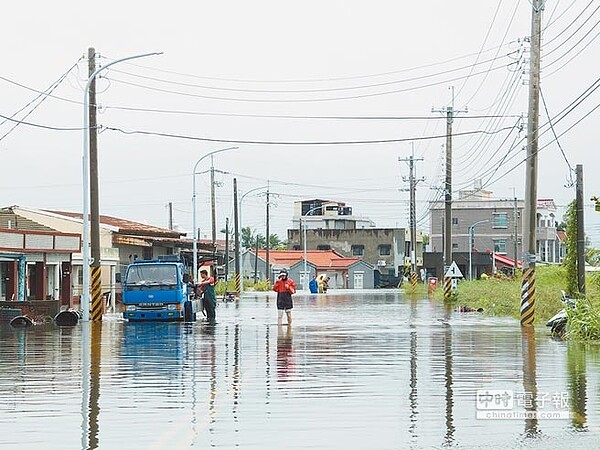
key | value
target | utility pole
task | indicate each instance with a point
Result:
(96, 270)
(450, 113)
(226, 250)
(213, 207)
(236, 226)
(529, 229)
(516, 232)
(256, 261)
(268, 243)
(170, 215)
(580, 231)
(413, 208)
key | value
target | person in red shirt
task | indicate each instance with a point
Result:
(284, 287)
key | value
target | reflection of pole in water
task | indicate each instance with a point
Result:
(529, 379)
(449, 438)
(267, 366)
(236, 373)
(412, 397)
(577, 383)
(90, 359)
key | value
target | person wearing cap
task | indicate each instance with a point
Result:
(284, 287)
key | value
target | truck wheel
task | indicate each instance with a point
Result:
(188, 315)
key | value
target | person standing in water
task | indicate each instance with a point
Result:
(209, 298)
(284, 287)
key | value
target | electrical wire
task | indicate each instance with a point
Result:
(37, 125)
(302, 91)
(305, 100)
(571, 181)
(313, 80)
(311, 143)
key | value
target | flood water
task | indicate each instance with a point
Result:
(358, 370)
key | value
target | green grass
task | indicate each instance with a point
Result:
(502, 297)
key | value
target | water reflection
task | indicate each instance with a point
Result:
(367, 370)
(285, 353)
(449, 437)
(577, 385)
(530, 397)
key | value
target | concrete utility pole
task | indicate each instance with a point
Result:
(530, 222)
(580, 231)
(96, 270)
(238, 276)
(412, 180)
(170, 215)
(213, 207)
(450, 113)
(268, 243)
(226, 249)
(516, 232)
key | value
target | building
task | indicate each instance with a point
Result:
(327, 215)
(330, 225)
(121, 242)
(35, 266)
(344, 273)
(490, 226)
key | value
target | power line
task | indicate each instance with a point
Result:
(372, 141)
(298, 91)
(43, 96)
(313, 80)
(37, 125)
(306, 100)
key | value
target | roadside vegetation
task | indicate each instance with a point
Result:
(501, 296)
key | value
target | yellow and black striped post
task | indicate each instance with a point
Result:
(96, 285)
(413, 280)
(237, 283)
(528, 296)
(447, 288)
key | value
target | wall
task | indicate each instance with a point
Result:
(343, 240)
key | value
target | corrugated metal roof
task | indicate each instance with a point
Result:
(127, 226)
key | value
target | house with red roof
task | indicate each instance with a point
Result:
(343, 272)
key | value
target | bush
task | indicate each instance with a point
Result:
(584, 321)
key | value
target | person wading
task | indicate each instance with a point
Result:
(284, 287)
(209, 298)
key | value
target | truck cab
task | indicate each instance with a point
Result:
(158, 290)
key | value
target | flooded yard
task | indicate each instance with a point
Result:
(358, 370)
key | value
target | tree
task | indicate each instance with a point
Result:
(249, 240)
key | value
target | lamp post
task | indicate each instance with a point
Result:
(194, 231)
(85, 295)
(239, 253)
(303, 222)
(471, 236)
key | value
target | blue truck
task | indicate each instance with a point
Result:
(159, 289)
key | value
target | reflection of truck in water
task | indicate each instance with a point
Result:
(158, 290)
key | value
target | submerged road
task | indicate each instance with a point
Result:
(358, 370)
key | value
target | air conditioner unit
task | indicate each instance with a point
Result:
(381, 263)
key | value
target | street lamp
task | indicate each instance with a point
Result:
(195, 233)
(471, 238)
(239, 252)
(85, 295)
(303, 223)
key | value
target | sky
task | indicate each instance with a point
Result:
(322, 99)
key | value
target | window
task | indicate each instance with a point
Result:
(454, 246)
(358, 250)
(500, 220)
(500, 245)
(324, 247)
(385, 250)
(455, 221)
